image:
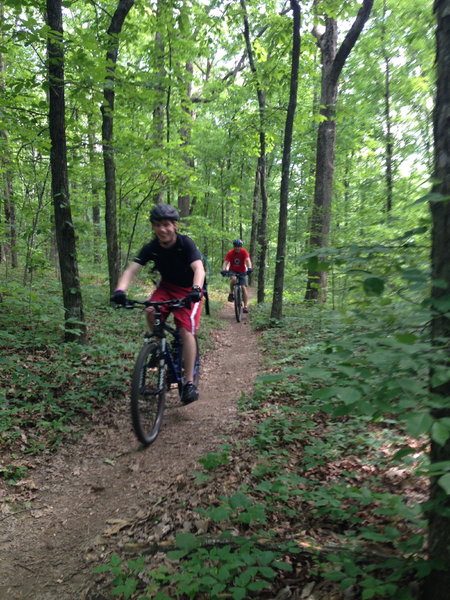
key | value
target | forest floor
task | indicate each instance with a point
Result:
(54, 524)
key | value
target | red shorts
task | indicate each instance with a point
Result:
(188, 318)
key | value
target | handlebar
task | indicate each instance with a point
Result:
(173, 303)
(235, 273)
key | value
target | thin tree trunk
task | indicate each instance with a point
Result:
(388, 120)
(159, 106)
(95, 190)
(437, 584)
(9, 248)
(255, 220)
(332, 65)
(262, 162)
(184, 199)
(277, 302)
(75, 327)
(107, 110)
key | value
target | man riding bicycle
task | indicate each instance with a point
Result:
(238, 260)
(178, 260)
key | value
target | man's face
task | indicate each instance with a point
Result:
(165, 231)
(237, 249)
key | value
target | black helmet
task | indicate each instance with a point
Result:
(160, 212)
(237, 243)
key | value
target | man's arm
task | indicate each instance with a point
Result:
(199, 273)
(226, 265)
(128, 275)
(248, 262)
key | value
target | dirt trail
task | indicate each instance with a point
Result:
(47, 551)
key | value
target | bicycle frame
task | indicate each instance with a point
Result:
(237, 292)
(157, 366)
(160, 329)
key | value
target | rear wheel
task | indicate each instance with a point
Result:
(238, 302)
(148, 392)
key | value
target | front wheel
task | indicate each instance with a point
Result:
(148, 393)
(238, 302)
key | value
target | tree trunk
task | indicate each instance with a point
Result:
(107, 110)
(75, 328)
(332, 65)
(388, 120)
(262, 166)
(277, 302)
(10, 248)
(437, 584)
(95, 190)
(255, 219)
(159, 105)
(184, 199)
(325, 151)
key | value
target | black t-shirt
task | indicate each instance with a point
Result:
(173, 263)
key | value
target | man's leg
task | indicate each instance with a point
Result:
(189, 351)
(245, 295)
(150, 316)
(189, 393)
(230, 295)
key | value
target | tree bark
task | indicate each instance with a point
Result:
(9, 248)
(184, 199)
(255, 220)
(388, 121)
(95, 190)
(437, 584)
(75, 327)
(262, 162)
(332, 65)
(107, 110)
(159, 105)
(277, 302)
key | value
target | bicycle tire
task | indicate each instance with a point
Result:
(148, 393)
(196, 369)
(238, 302)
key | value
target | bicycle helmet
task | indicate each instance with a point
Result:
(161, 212)
(238, 243)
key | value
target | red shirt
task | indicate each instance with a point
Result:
(237, 260)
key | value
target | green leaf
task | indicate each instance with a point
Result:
(440, 432)
(270, 377)
(440, 377)
(186, 541)
(419, 423)
(239, 500)
(444, 482)
(238, 593)
(406, 338)
(348, 395)
(373, 286)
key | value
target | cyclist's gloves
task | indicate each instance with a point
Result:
(192, 298)
(224, 273)
(249, 271)
(119, 297)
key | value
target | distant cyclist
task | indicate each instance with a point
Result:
(179, 262)
(238, 260)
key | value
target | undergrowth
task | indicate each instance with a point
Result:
(50, 388)
(334, 485)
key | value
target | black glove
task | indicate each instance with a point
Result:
(249, 271)
(119, 297)
(192, 298)
(224, 273)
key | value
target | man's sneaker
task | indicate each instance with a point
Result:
(245, 309)
(189, 393)
(230, 298)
